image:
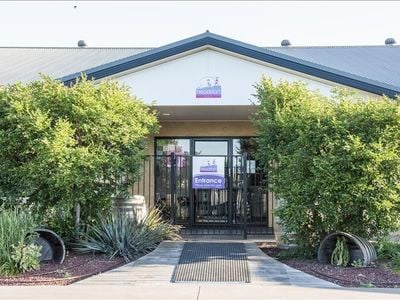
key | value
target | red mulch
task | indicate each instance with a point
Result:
(75, 267)
(378, 275)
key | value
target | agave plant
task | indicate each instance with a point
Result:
(120, 234)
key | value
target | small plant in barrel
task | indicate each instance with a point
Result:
(340, 255)
(357, 263)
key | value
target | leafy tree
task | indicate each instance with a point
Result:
(334, 162)
(67, 145)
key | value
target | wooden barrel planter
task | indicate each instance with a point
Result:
(133, 206)
(53, 247)
(359, 248)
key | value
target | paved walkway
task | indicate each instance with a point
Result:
(149, 278)
(154, 268)
(158, 266)
(266, 270)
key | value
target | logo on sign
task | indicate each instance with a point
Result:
(209, 168)
(209, 87)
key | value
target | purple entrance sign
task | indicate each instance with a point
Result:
(208, 172)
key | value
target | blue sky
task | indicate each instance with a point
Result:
(154, 23)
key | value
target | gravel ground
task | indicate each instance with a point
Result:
(375, 276)
(75, 267)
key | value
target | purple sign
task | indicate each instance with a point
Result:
(208, 172)
(207, 89)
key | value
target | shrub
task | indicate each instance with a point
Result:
(26, 256)
(296, 252)
(332, 162)
(387, 249)
(17, 250)
(119, 234)
(66, 145)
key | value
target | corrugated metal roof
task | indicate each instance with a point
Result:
(379, 63)
(25, 64)
(263, 54)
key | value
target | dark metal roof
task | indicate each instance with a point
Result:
(375, 69)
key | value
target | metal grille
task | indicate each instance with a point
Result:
(244, 207)
(212, 262)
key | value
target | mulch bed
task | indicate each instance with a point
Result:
(75, 267)
(377, 275)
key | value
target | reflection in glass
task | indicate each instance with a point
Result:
(243, 145)
(211, 148)
(177, 146)
(181, 149)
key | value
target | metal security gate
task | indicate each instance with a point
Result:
(243, 207)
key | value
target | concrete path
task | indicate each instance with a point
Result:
(149, 278)
(154, 268)
(157, 268)
(266, 270)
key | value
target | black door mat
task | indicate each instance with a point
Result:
(212, 262)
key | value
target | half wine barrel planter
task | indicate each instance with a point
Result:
(53, 247)
(359, 248)
(133, 206)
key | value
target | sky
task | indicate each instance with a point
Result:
(155, 23)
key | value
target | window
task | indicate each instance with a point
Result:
(177, 146)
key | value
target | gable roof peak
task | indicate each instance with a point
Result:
(262, 54)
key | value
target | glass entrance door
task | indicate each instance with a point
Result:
(212, 205)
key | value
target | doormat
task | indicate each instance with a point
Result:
(212, 262)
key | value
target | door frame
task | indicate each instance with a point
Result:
(228, 188)
(229, 156)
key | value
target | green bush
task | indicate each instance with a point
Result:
(332, 162)
(296, 252)
(66, 145)
(61, 219)
(389, 251)
(26, 256)
(18, 253)
(119, 234)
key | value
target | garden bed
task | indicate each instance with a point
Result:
(377, 275)
(75, 267)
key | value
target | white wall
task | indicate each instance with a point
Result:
(174, 82)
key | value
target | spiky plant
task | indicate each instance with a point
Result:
(120, 234)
